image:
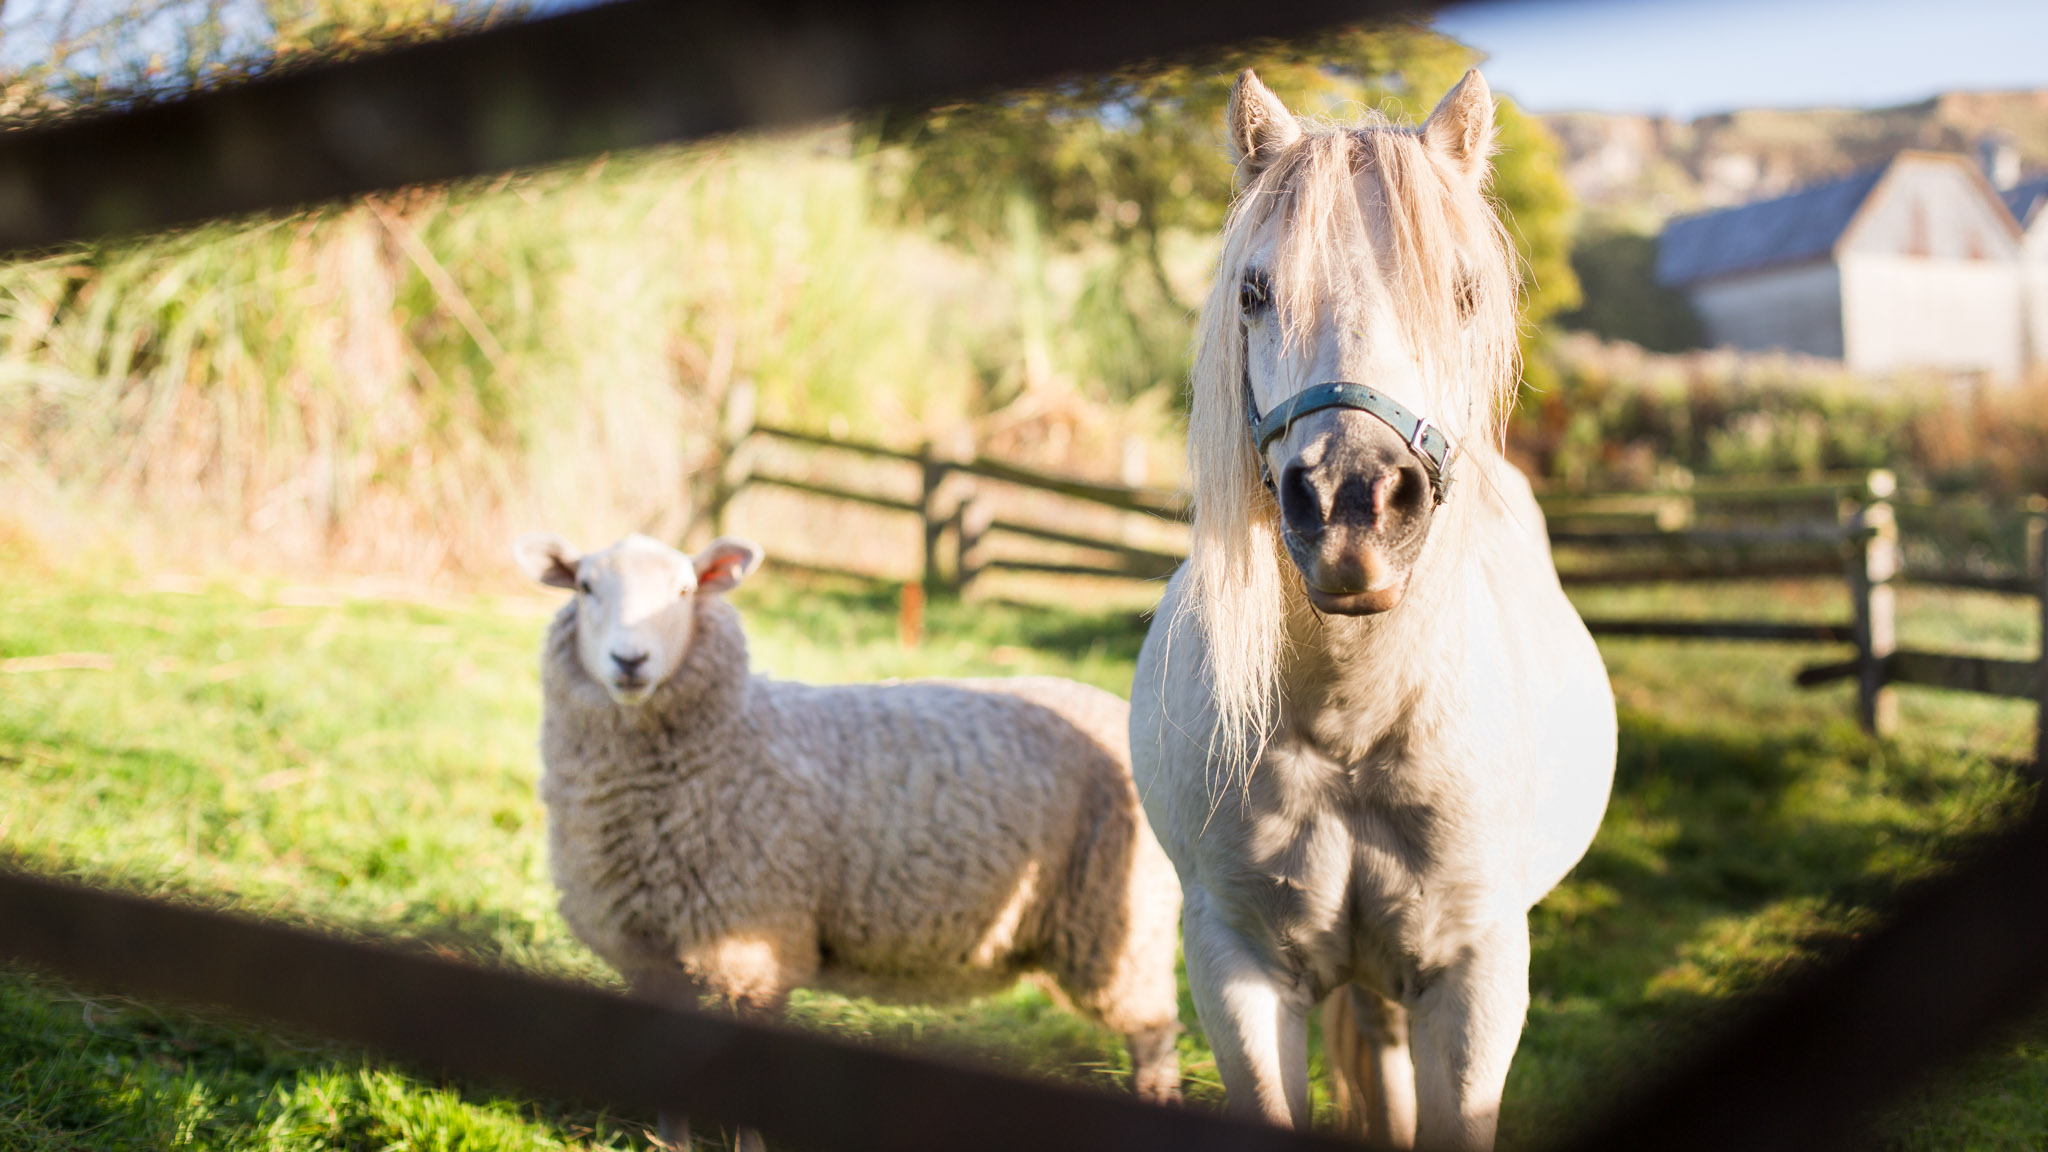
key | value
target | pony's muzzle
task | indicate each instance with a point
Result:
(1355, 504)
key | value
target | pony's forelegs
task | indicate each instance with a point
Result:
(1256, 1019)
(1464, 1028)
(1365, 1043)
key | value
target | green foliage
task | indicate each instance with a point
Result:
(1613, 416)
(1129, 157)
(1622, 299)
(83, 54)
(1537, 205)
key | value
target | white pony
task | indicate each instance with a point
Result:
(1369, 768)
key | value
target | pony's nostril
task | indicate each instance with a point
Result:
(629, 662)
(1300, 507)
(1415, 494)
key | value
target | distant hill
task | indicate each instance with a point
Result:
(1635, 171)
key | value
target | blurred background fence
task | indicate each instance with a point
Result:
(978, 514)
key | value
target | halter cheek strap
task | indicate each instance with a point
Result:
(1425, 439)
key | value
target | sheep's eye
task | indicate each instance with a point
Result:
(1255, 293)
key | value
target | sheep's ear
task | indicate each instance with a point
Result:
(1461, 128)
(1260, 126)
(725, 562)
(547, 558)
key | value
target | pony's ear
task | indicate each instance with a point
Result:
(725, 562)
(1259, 124)
(1461, 128)
(546, 558)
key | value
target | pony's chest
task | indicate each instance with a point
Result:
(1362, 871)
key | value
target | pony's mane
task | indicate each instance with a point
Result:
(1453, 287)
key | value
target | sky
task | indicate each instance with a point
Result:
(1692, 57)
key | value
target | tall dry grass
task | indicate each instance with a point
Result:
(402, 384)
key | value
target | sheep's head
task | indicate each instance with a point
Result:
(636, 602)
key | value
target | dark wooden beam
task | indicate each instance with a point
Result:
(621, 75)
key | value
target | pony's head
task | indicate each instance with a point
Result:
(1364, 255)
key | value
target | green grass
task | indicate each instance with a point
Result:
(367, 766)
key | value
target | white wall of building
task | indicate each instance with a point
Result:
(2034, 291)
(1905, 312)
(1795, 309)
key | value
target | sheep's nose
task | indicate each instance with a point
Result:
(629, 663)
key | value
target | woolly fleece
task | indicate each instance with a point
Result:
(744, 836)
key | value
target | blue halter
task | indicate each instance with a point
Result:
(1426, 440)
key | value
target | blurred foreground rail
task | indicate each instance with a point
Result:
(1964, 958)
(572, 1042)
(624, 74)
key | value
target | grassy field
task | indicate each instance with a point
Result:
(366, 764)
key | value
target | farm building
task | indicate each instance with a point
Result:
(2029, 205)
(1915, 264)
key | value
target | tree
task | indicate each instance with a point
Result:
(1128, 157)
(1622, 299)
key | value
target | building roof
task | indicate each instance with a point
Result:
(1789, 230)
(2025, 199)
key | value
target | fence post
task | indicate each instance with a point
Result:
(1873, 562)
(735, 451)
(2037, 556)
(932, 504)
(944, 487)
(971, 524)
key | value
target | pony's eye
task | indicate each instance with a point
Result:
(1255, 293)
(584, 587)
(1466, 295)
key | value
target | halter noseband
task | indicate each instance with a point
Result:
(1425, 439)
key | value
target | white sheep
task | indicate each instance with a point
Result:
(713, 831)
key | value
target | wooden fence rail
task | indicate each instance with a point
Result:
(1705, 534)
(957, 516)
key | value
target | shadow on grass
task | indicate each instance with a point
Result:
(1730, 857)
(84, 1070)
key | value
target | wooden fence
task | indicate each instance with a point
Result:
(954, 503)
(1847, 526)
(1844, 527)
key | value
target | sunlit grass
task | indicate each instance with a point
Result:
(368, 765)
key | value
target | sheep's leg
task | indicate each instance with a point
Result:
(751, 975)
(1256, 1018)
(673, 1130)
(675, 1134)
(1155, 1063)
(754, 976)
(1365, 1043)
(671, 986)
